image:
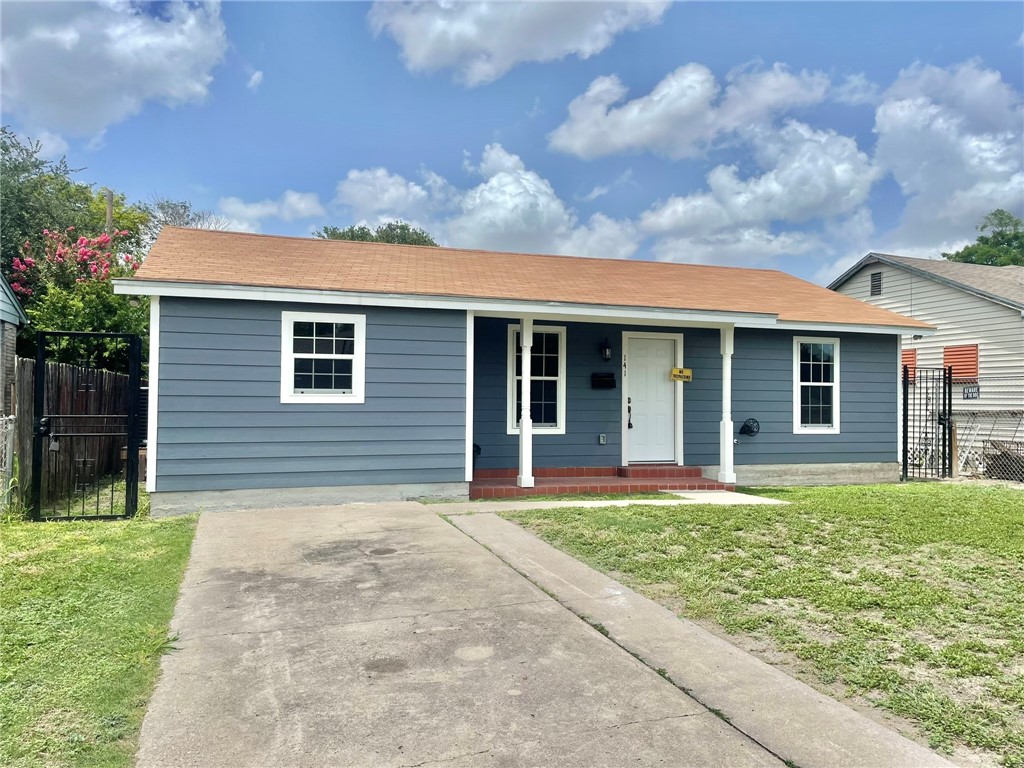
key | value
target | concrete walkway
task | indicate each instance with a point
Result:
(672, 499)
(381, 635)
(782, 714)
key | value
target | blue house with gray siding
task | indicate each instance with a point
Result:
(290, 370)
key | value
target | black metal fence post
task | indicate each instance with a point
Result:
(131, 472)
(39, 427)
(906, 420)
(949, 422)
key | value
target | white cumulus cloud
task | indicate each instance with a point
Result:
(76, 68)
(856, 90)
(482, 41)
(248, 217)
(808, 174)
(684, 113)
(512, 208)
(255, 80)
(951, 138)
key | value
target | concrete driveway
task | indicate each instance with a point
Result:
(380, 635)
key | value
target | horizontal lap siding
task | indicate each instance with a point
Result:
(960, 318)
(222, 424)
(589, 412)
(763, 390)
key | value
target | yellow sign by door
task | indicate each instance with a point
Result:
(682, 374)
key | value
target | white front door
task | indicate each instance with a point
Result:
(650, 398)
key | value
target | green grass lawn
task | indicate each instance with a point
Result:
(909, 596)
(84, 611)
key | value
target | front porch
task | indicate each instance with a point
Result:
(553, 481)
(605, 412)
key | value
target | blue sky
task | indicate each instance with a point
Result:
(796, 136)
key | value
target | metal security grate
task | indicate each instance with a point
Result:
(927, 423)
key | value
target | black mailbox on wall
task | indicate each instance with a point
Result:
(602, 381)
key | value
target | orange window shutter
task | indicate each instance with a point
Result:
(909, 358)
(964, 359)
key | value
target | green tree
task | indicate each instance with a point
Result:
(38, 194)
(164, 212)
(392, 232)
(1001, 243)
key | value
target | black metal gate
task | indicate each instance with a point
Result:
(85, 451)
(927, 423)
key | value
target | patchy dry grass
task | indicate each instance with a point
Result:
(910, 596)
(84, 611)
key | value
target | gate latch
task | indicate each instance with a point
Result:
(43, 426)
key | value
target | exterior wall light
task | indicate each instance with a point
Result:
(605, 349)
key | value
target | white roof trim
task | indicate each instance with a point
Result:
(493, 307)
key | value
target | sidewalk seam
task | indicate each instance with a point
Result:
(607, 635)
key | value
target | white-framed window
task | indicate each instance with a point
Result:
(323, 357)
(815, 385)
(547, 380)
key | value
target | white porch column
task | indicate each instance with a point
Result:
(525, 479)
(726, 468)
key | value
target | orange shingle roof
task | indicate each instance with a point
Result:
(232, 258)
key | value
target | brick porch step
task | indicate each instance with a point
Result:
(633, 471)
(658, 470)
(497, 488)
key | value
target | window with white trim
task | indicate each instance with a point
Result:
(815, 385)
(547, 380)
(323, 357)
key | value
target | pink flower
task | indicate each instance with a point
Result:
(93, 268)
(17, 264)
(135, 265)
(30, 261)
(71, 229)
(103, 239)
(82, 242)
(46, 232)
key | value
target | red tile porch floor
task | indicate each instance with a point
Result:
(501, 483)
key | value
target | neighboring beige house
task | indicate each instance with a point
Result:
(979, 314)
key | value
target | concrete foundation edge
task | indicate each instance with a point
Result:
(860, 473)
(168, 503)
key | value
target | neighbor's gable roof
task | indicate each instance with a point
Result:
(1003, 285)
(205, 257)
(15, 305)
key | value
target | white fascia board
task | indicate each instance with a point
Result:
(482, 306)
(898, 330)
(539, 310)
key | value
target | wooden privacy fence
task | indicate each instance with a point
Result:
(70, 389)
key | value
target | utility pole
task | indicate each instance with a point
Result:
(110, 212)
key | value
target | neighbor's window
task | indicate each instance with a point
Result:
(323, 357)
(964, 360)
(547, 380)
(908, 358)
(815, 385)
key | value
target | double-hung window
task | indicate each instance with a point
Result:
(815, 385)
(323, 357)
(546, 387)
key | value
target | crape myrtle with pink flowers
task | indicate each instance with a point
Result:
(66, 260)
(64, 283)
